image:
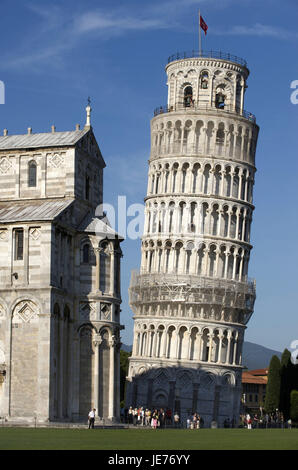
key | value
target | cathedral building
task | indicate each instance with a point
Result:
(59, 280)
(192, 297)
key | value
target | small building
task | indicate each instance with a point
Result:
(254, 384)
(59, 280)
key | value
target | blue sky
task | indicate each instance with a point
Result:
(55, 54)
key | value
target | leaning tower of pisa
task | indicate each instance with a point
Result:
(192, 297)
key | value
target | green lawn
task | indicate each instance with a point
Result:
(143, 439)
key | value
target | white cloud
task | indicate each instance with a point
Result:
(258, 29)
(99, 21)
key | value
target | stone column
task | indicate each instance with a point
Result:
(235, 144)
(135, 347)
(235, 350)
(249, 146)
(149, 183)
(199, 181)
(75, 353)
(235, 96)
(112, 273)
(155, 341)
(229, 213)
(241, 268)
(210, 347)
(238, 214)
(164, 343)
(234, 266)
(96, 343)
(43, 380)
(170, 180)
(217, 252)
(182, 140)
(198, 347)
(177, 345)
(220, 348)
(117, 380)
(213, 143)
(212, 181)
(221, 190)
(240, 184)
(220, 217)
(189, 346)
(229, 348)
(242, 96)
(112, 344)
(246, 189)
(26, 255)
(61, 369)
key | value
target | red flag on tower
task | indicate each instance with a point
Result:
(203, 25)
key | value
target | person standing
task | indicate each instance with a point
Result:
(248, 421)
(154, 419)
(135, 416)
(176, 419)
(130, 415)
(139, 416)
(91, 418)
(162, 418)
(147, 417)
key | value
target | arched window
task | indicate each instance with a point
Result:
(105, 264)
(220, 98)
(188, 101)
(204, 80)
(32, 173)
(86, 253)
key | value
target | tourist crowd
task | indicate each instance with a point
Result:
(273, 420)
(155, 418)
(162, 418)
(158, 418)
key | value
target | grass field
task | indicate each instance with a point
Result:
(147, 439)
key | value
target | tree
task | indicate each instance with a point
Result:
(273, 386)
(286, 383)
(294, 405)
(124, 361)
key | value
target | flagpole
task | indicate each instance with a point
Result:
(200, 35)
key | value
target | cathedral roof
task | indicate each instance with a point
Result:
(99, 226)
(32, 210)
(45, 139)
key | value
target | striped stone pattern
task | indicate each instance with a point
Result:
(59, 314)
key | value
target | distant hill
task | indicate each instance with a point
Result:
(126, 348)
(254, 355)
